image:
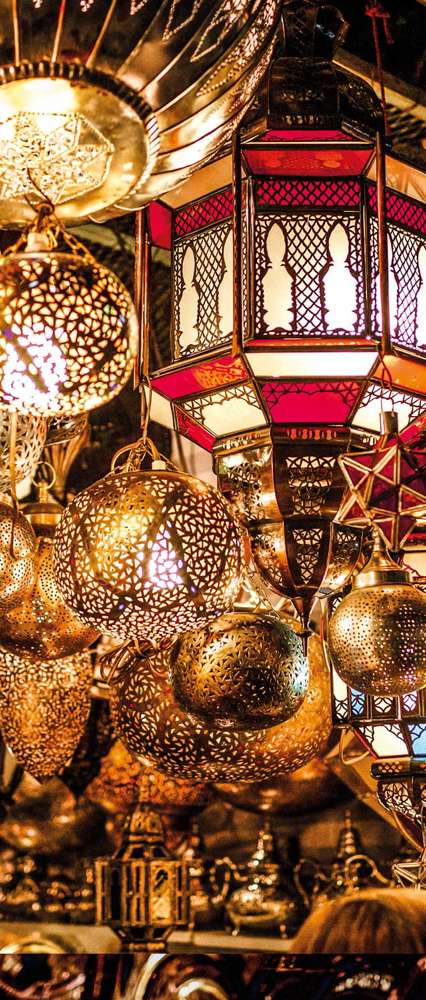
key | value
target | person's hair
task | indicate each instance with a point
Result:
(372, 921)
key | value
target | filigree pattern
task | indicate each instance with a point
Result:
(43, 709)
(17, 551)
(197, 324)
(148, 555)
(407, 279)
(308, 548)
(68, 334)
(247, 669)
(30, 439)
(154, 728)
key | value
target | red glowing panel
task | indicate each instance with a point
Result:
(193, 431)
(405, 373)
(213, 374)
(311, 194)
(310, 402)
(160, 225)
(209, 210)
(331, 162)
(306, 135)
(400, 209)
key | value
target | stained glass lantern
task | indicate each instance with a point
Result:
(142, 892)
(281, 357)
(104, 106)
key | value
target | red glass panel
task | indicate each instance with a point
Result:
(306, 135)
(213, 374)
(401, 209)
(160, 225)
(307, 193)
(310, 402)
(203, 213)
(193, 431)
(307, 162)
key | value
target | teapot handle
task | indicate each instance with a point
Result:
(229, 870)
(298, 876)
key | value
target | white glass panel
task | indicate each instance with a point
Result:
(302, 364)
(227, 411)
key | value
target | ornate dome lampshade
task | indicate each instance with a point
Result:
(148, 554)
(17, 557)
(278, 347)
(154, 728)
(29, 444)
(44, 707)
(377, 633)
(68, 328)
(103, 106)
(245, 670)
(41, 626)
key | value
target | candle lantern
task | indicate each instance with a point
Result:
(282, 356)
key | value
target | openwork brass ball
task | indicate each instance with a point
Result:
(155, 729)
(246, 670)
(41, 626)
(30, 440)
(377, 634)
(43, 709)
(17, 552)
(68, 333)
(60, 430)
(148, 555)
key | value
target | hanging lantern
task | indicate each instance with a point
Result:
(377, 634)
(281, 358)
(245, 670)
(155, 729)
(63, 429)
(43, 709)
(148, 554)
(142, 892)
(17, 555)
(68, 328)
(29, 443)
(103, 108)
(41, 626)
(309, 789)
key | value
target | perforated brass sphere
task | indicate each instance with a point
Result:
(154, 728)
(68, 333)
(17, 554)
(377, 634)
(30, 439)
(43, 709)
(245, 670)
(148, 555)
(41, 626)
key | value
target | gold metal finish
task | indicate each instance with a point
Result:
(377, 634)
(68, 333)
(245, 670)
(30, 439)
(17, 555)
(154, 728)
(62, 429)
(148, 554)
(306, 790)
(43, 709)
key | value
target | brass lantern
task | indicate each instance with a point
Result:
(148, 554)
(41, 626)
(44, 707)
(245, 670)
(68, 328)
(142, 892)
(29, 443)
(17, 557)
(154, 728)
(103, 107)
(377, 634)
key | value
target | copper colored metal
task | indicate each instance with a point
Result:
(377, 634)
(245, 670)
(306, 790)
(155, 729)
(17, 557)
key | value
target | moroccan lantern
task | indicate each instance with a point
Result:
(68, 328)
(142, 891)
(104, 107)
(148, 554)
(41, 626)
(245, 670)
(44, 706)
(29, 442)
(377, 633)
(17, 557)
(282, 354)
(155, 729)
